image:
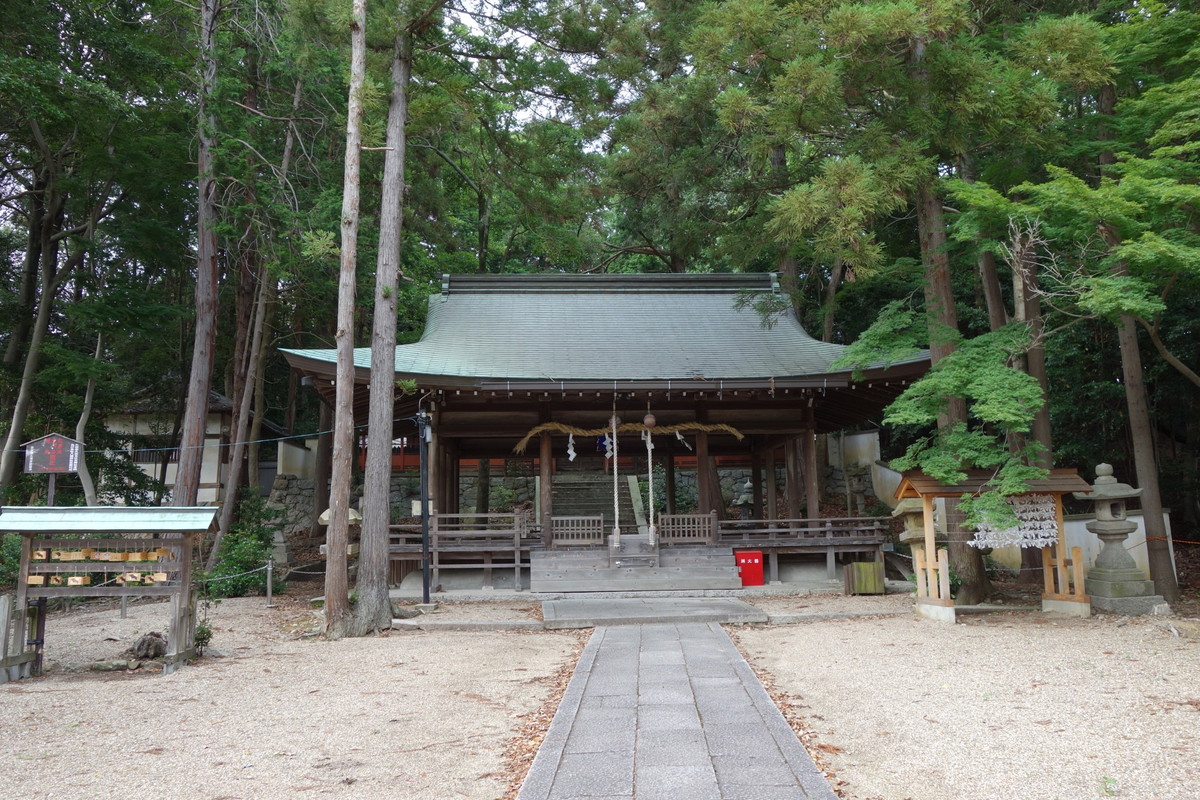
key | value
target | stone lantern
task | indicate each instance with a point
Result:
(912, 512)
(745, 501)
(1115, 583)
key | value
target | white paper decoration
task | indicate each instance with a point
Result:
(1038, 526)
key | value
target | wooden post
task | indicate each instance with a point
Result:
(792, 465)
(919, 570)
(812, 479)
(323, 467)
(21, 610)
(756, 480)
(704, 499)
(944, 575)
(546, 487)
(181, 639)
(452, 503)
(1047, 575)
(669, 470)
(772, 486)
(930, 547)
(435, 461)
(1077, 567)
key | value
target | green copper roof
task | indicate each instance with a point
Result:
(605, 328)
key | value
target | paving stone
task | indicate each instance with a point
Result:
(676, 782)
(665, 712)
(592, 775)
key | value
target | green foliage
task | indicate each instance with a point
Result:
(980, 371)
(895, 335)
(244, 552)
(10, 558)
(501, 498)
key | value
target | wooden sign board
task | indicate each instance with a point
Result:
(53, 453)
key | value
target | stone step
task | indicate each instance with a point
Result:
(644, 579)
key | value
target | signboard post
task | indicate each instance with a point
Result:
(52, 454)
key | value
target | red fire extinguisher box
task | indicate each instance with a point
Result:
(750, 567)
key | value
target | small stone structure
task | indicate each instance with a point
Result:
(1115, 583)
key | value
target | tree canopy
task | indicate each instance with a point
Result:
(1015, 186)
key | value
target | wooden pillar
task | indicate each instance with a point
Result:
(324, 465)
(772, 486)
(756, 480)
(931, 554)
(812, 476)
(546, 487)
(453, 475)
(704, 499)
(435, 463)
(791, 461)
(669, 469)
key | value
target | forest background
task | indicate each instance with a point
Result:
(1014, 185)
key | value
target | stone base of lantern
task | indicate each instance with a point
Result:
(1122, 591)
(1129, 606)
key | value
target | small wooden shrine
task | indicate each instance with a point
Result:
(1040, 515)
(100, 552)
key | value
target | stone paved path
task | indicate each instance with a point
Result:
(669, 711)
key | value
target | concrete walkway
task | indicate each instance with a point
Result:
(669, 711)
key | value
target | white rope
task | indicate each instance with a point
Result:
(616, 533)
(652, 531)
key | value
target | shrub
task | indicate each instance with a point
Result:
(10, 558)
(244, 551)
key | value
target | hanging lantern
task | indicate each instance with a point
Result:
(649, 421)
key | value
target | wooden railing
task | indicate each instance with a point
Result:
(686, 528)
(866, 530)
(576, 531)
(468, 541)
(830, 536)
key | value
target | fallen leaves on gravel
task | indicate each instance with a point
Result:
(521, 749)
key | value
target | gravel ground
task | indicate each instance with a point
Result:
(1012, 704)
(1005, 705)
(406, 715)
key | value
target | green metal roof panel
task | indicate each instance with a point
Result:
(610, 327)
(106, 519)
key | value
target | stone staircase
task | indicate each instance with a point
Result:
(636, 565)
(590, 494)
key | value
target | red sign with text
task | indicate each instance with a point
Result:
(53, 453)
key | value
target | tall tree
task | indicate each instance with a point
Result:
(374, 609)
(338, 617)
(195, 413)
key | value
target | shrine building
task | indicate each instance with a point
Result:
(594, 378)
